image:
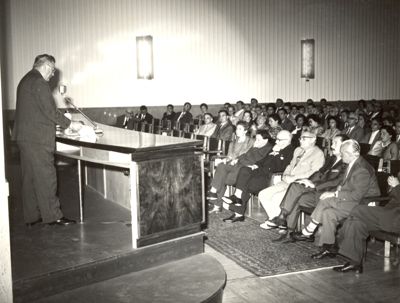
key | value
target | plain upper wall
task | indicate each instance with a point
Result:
(211, 51)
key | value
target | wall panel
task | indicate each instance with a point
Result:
(208, 50)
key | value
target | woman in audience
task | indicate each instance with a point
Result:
(314, 125)
(208, 128)
(274, 125)
(386, 147)
(226, 173)
(332, 130)
(363, 122)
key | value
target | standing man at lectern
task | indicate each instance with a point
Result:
(36, 117)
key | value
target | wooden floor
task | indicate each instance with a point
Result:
(380, 282)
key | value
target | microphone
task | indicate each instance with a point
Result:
(96, 129)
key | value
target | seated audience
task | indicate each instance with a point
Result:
(353, 131)
(239, 110)
(334, 206)
(314, 125)
(208, 128)
(224, 129)
(397, 129)
(307, 159)
(125, 120)
(286, 124)
(363, 122)
(343, 121)
(169, 114)
(184, 116)
(374, 134)
(293, 113)
(274, 126)
(231, 115)
(332, 130)
(203, 110)
(362, 220)
(386, 148)
(253, 178)
(227, 172)
(306, 192)
(144, 116)
(377, 112)
(278, 104)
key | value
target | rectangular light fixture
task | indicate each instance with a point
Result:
(307, 59)
(144, 57)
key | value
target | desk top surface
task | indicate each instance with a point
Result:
(129, 141)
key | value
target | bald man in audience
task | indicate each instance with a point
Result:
(334, 206)
(307, 159)
(362, 220)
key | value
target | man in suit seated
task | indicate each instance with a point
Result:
(286, 124)
(306, 192)
(143, 116)
(374, 135)
(362, 220)
(224, 129)
(307, 159)
(334, 206)
(125, 120)
(253, 178)
(184, 116)
(353, 131)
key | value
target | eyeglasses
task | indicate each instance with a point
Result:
(53, 69)
(305, 137)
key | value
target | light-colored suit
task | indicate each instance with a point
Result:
(303, 165)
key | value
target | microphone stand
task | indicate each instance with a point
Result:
(95, 127)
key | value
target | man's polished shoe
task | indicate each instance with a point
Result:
(234, 219)
(34, 223)
(229, 218)
(277, 222)
(62, 221)
(322, 254)
(298, 236)
(232, 200)
(349, 267)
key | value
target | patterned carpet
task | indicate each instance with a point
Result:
(252, 248)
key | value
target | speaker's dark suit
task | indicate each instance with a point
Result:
(356, 133)
(363, 219)
(360, 182)
(326, 179)
(36, 117)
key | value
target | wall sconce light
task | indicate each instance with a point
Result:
(144, 57)
(307, 59)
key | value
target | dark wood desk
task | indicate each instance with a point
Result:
(158, 178)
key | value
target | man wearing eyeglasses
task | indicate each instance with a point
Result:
(36, 117)
(307, 159)
(353, 131)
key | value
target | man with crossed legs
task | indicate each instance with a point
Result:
(306, 192)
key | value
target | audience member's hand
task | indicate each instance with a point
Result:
(326, 195)
(233, 162)
(306, 183)
(252, 167)
(393, 181)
